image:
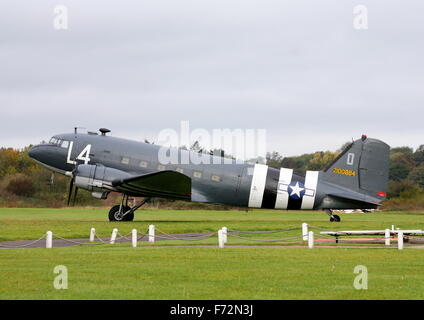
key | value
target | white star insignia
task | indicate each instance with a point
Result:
(296, 190)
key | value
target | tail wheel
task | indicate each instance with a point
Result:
(115, 214)
(333, 217)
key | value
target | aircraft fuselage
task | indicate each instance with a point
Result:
(213, 180)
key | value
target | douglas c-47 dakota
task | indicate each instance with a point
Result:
(101, 164)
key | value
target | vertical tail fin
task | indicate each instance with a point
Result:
(363, 167)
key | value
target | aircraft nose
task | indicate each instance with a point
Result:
(34, 152)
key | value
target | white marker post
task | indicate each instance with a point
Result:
(221, 238)
(311, 239)
(305, 231)
(224, 234)
(92, 234)
(387, 237)
(400, 240)
(152, 233)
(113, 236)
(49, 239)
(134, 238)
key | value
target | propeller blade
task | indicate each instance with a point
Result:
(75, 196)
(71, 188)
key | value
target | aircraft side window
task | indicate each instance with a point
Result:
(197, 174)
(125, 160)
(216, 178)
(65, 144)
(143, 164)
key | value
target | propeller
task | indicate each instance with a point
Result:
(75, 196)
(71, 188)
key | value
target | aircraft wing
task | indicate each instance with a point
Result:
(166, 184)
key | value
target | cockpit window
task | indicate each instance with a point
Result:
(65, 144)
(59, 142)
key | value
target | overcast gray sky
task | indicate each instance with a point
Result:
(296, 68)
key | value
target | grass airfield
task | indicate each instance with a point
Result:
(156, 272)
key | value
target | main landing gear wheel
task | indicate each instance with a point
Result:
(124, 212)
(118, 211)
(333, 217)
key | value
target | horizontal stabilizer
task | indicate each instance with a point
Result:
(362, 201)
(166, 184)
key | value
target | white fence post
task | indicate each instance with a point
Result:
(151, 233)
(113, 236)
(305, 231)
(49, 239)
(387, 237)
(224, 234)
(400, 240)
(221, 238)
(92, 234)
(134, 238)
(311, 239)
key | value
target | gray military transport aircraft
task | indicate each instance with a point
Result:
(101, 164)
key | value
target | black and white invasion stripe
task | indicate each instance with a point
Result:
(270, 188)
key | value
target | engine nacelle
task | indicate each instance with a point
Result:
(96, 178)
